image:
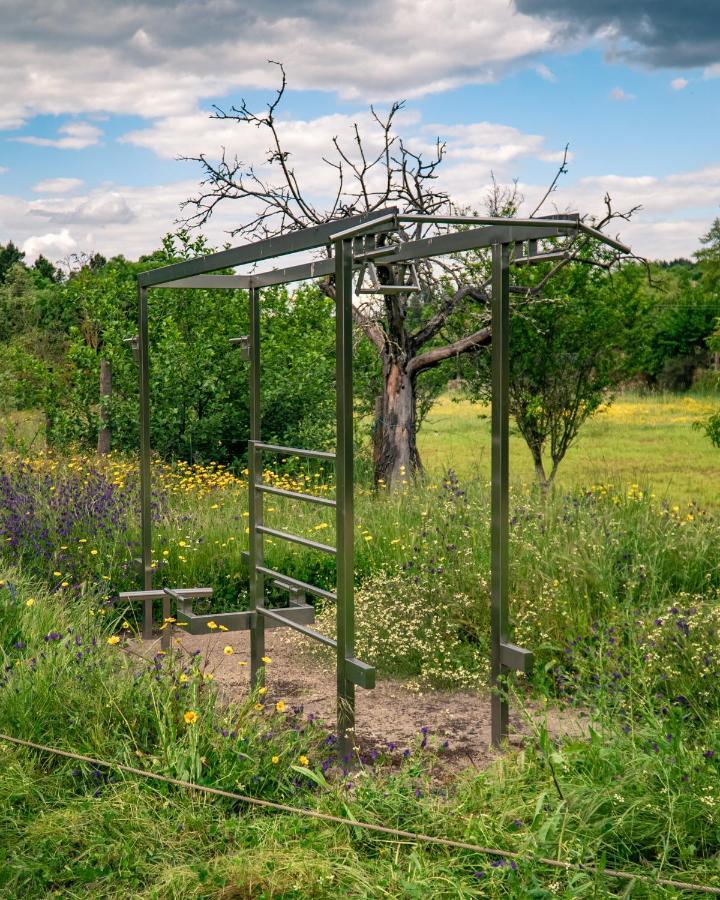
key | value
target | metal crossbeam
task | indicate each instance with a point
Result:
(294, 495)
(294, 451)
(295, 538)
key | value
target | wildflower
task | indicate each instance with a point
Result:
(126, 625)
(266, 659)
(223, 628)
(242, 663)
(303, 760)
(275, 760)
(258, 706)
(190, 717)
(65, 584)
(29, 601)
(93, 552)
(114, 639)
(212, 625)
(280, 706)
(262, 691)
(228, 651)
(57, 574)
(208, 676)
(183, 678)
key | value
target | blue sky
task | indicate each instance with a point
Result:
(102, 98)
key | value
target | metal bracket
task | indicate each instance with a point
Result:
(243, 345)
(517, 658)
(134, 344)
(375, 286)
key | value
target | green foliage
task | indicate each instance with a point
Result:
(10, 255)
(567, 350)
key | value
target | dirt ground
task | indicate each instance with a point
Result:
(389, 714)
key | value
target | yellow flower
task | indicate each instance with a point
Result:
(29, 601)
(275, 760)
(65, 584)
(262, 691)
(57, 574)
(113, 640)
(242, 663)
(280, 706)
(212, 625)
(190, 717)
(266, 659)
(228, 651)
(258, 706)
(183, 678)
(126, 625)
(93, 552)
(303, 760)
(82, 541)
(223, 628)
(208, 676)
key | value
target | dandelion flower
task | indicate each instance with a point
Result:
(190, 717)
(266, 659)
(223, 628)
(30, 601)
(262, 691)
(183, 678)
(258, 706)
(242, 663)
(113, 640)
(212, 625)
(228, 651)
(65, 584)
(280, 706)
(126, 625)
(303, 760)
(93, 552)
(275, 760)
(57, 574)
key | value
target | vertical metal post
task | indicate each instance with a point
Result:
(255, 497)
(499, 551)
(344, 518)
(145, 475)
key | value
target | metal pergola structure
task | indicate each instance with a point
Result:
(354, 247)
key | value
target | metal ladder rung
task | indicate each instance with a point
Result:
(295, 582)
(295, 538)
(293, 451)
(294, 495)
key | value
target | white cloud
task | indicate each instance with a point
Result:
(546, 73)
(618, 93)
(153, 59)
(77, 136)
(679, 84)
(53, 245)
(57, 185)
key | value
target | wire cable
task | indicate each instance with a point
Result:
(416, 837)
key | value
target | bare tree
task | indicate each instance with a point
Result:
(445, 311)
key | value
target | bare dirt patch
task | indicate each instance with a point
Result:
(391, 714)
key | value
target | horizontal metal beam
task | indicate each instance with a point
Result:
(605, 239)
(269, 248)
(516, 658)
(294, 495)
(537, 258)
(198, 624)
(293, 451)
(437, 245)
(185, 593)
(279, 617)
(210, 282)
(295, 538)
(295, 582)
(568, 219)
(387, 222)
(359, 672)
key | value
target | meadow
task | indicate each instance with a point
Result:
(615, 585)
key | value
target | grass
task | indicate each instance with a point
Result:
(637, 439)
(614, 587)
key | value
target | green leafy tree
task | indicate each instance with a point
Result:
(568, 350)
(9, 256)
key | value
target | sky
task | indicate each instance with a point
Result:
(101, 99)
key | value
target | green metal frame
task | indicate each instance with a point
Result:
(352, 247)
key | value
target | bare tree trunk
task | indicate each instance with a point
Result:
(395, 453)
(103, 443)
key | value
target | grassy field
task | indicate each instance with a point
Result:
(636, 440)
(615, 591)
